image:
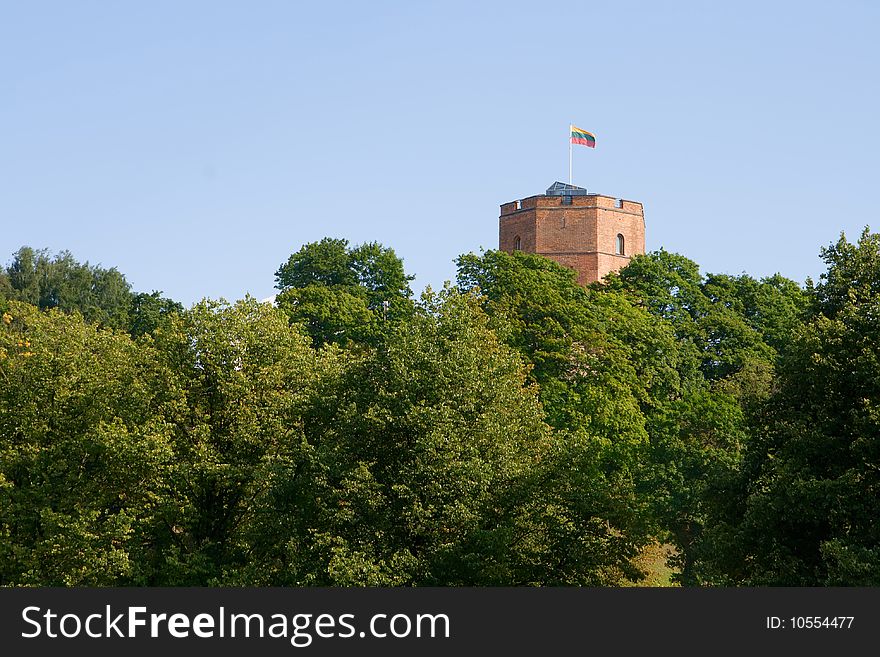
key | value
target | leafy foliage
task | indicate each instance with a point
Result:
(807, 505)
(343, 295)
(517, 429)
(83, 452)
(240, 379)
(733, 322)
(414, 453)
(101, 296)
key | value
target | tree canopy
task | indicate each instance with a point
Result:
(102, 296)
(512, 429)
(343, 294)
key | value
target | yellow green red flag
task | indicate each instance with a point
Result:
(582, 137)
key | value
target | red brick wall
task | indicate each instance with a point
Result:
(566, 229)
(585, 264)
(521, 224)
(582, 235)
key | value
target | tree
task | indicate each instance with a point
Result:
(101, 295)
(604, 366)
(241, 380)
(650, 379)
(807, 505)
(6, 291)
(734, 327)
(414, 455)
(83, 451)
(773, 306)
(734, 322)
(327, 263)
(341, 294)
(149, 311)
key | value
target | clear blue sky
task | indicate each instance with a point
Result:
(195, 145)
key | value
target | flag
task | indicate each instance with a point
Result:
(582, 137)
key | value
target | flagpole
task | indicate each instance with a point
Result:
(569, 153)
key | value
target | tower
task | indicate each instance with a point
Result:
(590, 233)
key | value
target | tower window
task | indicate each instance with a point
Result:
(620, 250)
(517, 243)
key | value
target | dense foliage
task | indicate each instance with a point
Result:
(513, 429)
(102, 296)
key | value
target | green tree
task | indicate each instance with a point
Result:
(149, 311)
(732, 328)
(101, 295)
(6, 291)
(647, 378)
(342, 294)
(605, 367)
(242, 379)
(774, 306)
(83, 451)
(806, 512)
(415, 454)
(734, 322)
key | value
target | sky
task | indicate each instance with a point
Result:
(196, 145)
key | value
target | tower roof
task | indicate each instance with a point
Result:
(564, 189)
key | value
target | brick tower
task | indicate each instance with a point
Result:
(590, 233)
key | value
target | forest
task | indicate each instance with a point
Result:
(511, 429)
